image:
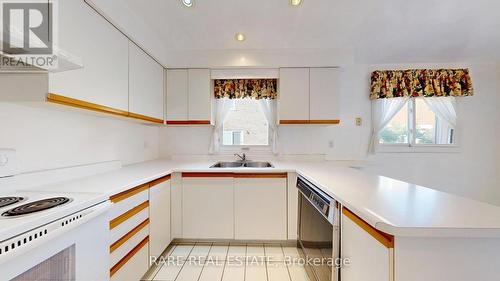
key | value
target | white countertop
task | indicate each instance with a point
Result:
(392, 206)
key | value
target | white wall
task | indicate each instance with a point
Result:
(52, 138)
(474, 172)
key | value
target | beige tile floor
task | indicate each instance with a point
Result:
(224, 262)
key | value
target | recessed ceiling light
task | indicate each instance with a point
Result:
(239, 37)
(188, 3)
(295, 2)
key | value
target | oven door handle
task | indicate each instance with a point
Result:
(97, 210)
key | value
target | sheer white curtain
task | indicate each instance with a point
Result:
(445, 108)
(269, 108)
(383, 110)
(222, 107)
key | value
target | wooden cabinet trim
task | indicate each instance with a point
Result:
(187, 122)
(130, 213)
(55, 98)
(128, 256)
(160, 180)
(127, 236)
(67, 101)
(128, 193)
(145, 118)
(207, 175)
(261, 175)
(386, 239)
(234, 175)
(311, 122)
(331, 122)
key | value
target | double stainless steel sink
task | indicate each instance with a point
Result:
(240, 164)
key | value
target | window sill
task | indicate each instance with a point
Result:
(403, 148)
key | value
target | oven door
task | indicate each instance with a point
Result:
(80, 252)
(318, 241)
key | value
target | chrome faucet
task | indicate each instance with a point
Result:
(242, 158)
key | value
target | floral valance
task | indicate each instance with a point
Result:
(245, 88)
(420, 83)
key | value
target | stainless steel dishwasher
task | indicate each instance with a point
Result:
(319, 233)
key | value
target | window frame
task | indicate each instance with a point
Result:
(412, 146)
(259, 149)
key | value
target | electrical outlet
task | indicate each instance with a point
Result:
(359, 121)
(331, 144)
(8, 162)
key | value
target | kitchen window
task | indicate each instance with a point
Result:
(417, 125)
(245, 115)
(245, 124)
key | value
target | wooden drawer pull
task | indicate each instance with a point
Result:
(130, 213)
(127, 257)
(128, 193)
(234, 175)
(261, 175)
(386, 239)
(160, 180)
(207, 175)
(127, 236)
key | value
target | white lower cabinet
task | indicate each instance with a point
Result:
(207, 207)
(370, 259)
(159, 216)
(135, 267)
(260, 208)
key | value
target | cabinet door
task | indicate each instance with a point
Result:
(177, 94)
(324, 93)
(207, 208)
(199, 94)
(159, 217)
(104, 51)
(294, 94)
(370, 259)
(260, 208)
(145, 84)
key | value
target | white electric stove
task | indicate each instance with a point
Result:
(53, 235)
(21, 211)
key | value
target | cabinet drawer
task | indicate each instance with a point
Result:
(126, 226)
(126, 243)
(134, 265)
(124, 201)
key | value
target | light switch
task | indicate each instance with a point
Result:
(359, 121)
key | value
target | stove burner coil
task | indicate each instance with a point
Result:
(6, 201)
(36, 206)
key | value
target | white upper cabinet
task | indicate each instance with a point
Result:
(199, 94)
(104, 52)
(309, 96)
(145, 84)
(177, 94)
(294, 94)
(188, 95)
(324, 93)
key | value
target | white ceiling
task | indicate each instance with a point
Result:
(376, 31)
